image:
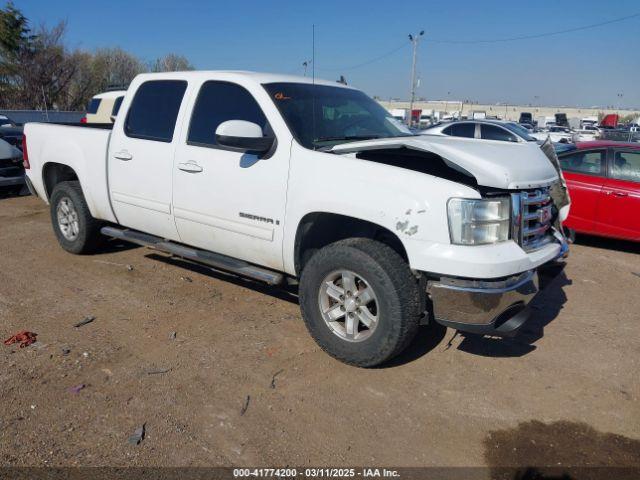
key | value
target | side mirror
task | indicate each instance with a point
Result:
(243, 136)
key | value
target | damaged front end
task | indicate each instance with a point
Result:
(498, 307)
(488, 307)
(522, 198)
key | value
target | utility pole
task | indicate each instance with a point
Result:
(414, 41)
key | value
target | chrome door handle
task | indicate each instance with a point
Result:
(123, 155)
(620, 194)
(190, 166)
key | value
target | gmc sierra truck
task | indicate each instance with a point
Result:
(287, 179)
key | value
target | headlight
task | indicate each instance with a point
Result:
(479, 222)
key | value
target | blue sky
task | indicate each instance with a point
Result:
(588, 67)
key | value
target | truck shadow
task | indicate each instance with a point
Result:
(286, 293)
(13, 192)
(113, 245)
(560, 450)
(545, 307)
(427, 338)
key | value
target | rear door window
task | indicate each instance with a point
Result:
(154, 110)
(585, 162)
(626, 166)
(467, 130)
(218, 102)
(493, 132)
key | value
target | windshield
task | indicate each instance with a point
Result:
(520, 131)
(320, 116)
(5, 122)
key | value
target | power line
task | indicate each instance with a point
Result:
(496, 40)
(537, 35)
(375, 59)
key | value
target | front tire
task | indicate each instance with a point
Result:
(76, 230)
(360, 301)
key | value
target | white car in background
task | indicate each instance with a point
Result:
(556, 133)
(104, 107)
(586, 134)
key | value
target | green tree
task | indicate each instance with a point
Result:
(16, 43)
(38, 71)
(14, 31)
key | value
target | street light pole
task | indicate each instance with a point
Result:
(414, 41)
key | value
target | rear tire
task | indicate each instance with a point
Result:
(358, 328)
(76, 230)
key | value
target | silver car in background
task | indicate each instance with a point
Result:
(485, 129)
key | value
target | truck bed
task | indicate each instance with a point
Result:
(81, 147)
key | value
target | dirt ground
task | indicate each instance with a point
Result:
(242, 383)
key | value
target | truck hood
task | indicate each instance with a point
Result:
(493, 164)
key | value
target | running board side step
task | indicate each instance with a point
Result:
(211, 259)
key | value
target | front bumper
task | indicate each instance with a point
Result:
(489, 307)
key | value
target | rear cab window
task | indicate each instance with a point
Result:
(154, 110)
(217, 102)
(584, 162)
(116, 106)
(93, 105)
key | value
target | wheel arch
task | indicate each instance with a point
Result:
(318, 229)
(53, 173)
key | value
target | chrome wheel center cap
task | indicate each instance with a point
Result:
(350, 304)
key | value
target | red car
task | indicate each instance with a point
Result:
(604, 183)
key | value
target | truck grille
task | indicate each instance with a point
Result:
(533, 217)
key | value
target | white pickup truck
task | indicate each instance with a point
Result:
(284, 179)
